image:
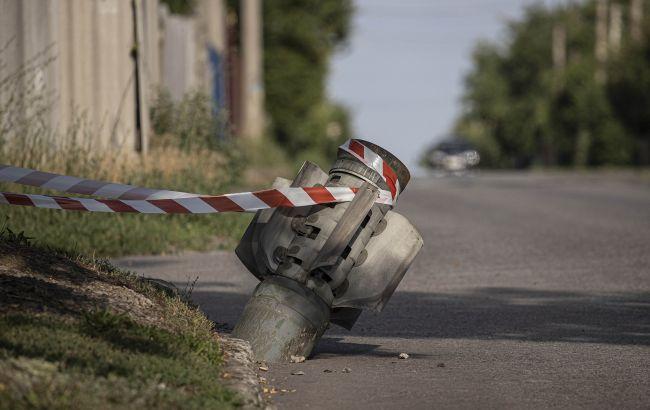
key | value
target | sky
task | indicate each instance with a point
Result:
(403, 69)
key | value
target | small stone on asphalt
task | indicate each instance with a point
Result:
(297, 359)
(403, 356)
(346, 370)
(298, 373)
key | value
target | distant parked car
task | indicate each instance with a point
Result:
(452, 155)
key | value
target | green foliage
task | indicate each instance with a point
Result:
(183, 7)
(521, 110)
(628, 91)
(118, 235)
(299, 39)
(9, 236)
(189, 124)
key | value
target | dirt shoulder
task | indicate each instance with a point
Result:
(77, 332)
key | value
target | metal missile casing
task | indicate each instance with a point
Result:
(325, 263)
(282, 319)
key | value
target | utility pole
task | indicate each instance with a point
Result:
(141, 80)
(615, 27)
(559, 55)
(636, 20)
(600, 46)
(252, 84)
(559, 47)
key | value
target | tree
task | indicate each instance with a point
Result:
(629, 92)
(522, 108)
(300, 36)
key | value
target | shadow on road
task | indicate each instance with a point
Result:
(516, 314)
(337, 346)
(485, 313)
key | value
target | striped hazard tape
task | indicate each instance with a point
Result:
(129, 198)
(74, 185)
(237, 202)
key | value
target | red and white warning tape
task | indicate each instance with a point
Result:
(129, 198)
(238, 202)
(74, 185)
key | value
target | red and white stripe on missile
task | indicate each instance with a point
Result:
(373, 161)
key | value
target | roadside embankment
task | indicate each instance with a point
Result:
(77, 332)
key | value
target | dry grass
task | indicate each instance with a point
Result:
(188, 157)
(198, 170)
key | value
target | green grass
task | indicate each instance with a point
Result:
(116, 235)
(106, 360)
(99, 358)
(194, 170)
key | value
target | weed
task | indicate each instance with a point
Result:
(186, 292)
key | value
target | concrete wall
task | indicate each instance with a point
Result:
(26, 42)
(194, 49)
(95, 44)
(179, 54)
(212, 36)
(94, 72)
(152, 37)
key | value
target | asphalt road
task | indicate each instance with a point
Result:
(531, 291)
